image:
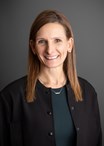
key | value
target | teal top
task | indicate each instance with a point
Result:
(64, 128)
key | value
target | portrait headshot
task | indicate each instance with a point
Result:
(51, 76)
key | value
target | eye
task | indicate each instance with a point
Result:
(57, 40)
(41, 42)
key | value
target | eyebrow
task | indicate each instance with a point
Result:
(39, 38)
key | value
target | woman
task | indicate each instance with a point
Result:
(50, 106)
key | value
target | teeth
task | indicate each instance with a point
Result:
(51, 57)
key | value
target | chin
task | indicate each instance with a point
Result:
(53, 65)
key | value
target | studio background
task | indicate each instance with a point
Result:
(87, 21)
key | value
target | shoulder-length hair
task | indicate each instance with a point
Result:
(51, 16)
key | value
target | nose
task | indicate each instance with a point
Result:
(50, 48)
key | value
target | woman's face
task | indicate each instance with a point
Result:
(52, 45)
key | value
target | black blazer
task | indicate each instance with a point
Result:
(31, 124)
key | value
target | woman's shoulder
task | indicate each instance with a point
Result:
(15, 86)
(87, 86)
(85, 83)
(88, 89)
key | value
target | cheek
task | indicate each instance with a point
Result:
(39, 50)
(64, 52)
(64, 49)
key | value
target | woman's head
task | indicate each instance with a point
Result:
(46, 17)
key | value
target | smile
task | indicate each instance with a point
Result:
(51, 57)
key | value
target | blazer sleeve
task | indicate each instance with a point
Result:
(4, 121)
(100, 129)
(97, 112)
(93, 114)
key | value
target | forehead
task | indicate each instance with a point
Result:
(51, 29)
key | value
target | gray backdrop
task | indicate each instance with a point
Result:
(87, 20)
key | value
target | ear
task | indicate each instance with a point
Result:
(70, 44)
(32, 45)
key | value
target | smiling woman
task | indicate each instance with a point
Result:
(51, 106)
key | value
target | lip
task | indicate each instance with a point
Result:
(51, 57)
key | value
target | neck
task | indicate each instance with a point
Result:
(53, 78)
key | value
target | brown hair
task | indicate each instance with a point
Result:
(51, 16)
